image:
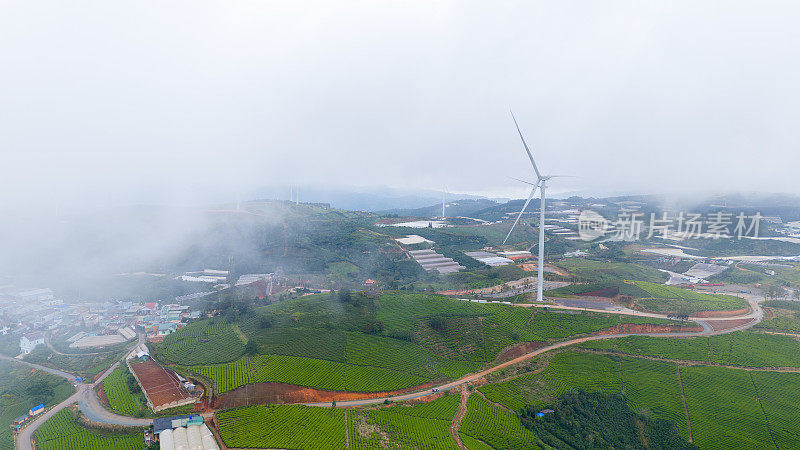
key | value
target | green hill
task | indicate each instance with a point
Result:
(358, 342)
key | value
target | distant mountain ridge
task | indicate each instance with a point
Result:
(374, 199)
(454, 208)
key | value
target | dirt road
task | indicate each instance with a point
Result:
(756, 313)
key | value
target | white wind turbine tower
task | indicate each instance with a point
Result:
(444, 192)
(541, 183)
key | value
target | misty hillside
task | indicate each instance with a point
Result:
(454, 208)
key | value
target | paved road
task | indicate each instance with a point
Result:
(756, 313)
(56, 372)
(87, 401)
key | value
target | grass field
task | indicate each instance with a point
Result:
(587, 270)
(120, 398)
(743, 348)
(671, 299)
(60, 432)
(576, 289)
(283, 426)
(17, 395)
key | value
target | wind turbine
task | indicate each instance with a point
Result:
(541, 184)
(444, 192)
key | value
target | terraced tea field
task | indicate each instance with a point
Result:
(317, 341)
(778, 394)
(306, 372)
(497, 427)
(60, 432)
(206, 342)
(728, 408)
(742, 348)
(120, 398)
(724, 409)
(283, 426)
(422, 426)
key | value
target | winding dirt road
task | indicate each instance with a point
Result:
(756, 313)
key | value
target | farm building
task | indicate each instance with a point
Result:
(184, 433)
(490, 259)
(97, 341)
(29, 341)
(412, 239)
(430, 261)
(162, 387)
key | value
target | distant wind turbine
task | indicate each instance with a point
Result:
(444, 192)
(541, 183)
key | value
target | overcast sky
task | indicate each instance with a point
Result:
(124, 100)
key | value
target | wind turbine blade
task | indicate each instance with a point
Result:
(533, 192)
(524, 181)
(535, 169)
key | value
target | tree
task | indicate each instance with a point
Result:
(344, 295)
(251, 348)
(40, 391)
(264, 322)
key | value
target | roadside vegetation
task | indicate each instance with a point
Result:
(785, 317)
(22, 388)
(123, 393)
(85, 365)
(63, 432)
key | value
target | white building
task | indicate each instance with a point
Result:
(36, 295)
(29, 341)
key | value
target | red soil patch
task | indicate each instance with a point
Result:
(737, 312)
(649, 328)
(609, 292)
(519, 350)
(101, 393)
(425, 399)
(161, 385)
(718, 325)
(264, 393)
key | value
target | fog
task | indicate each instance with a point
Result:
(127, 102)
